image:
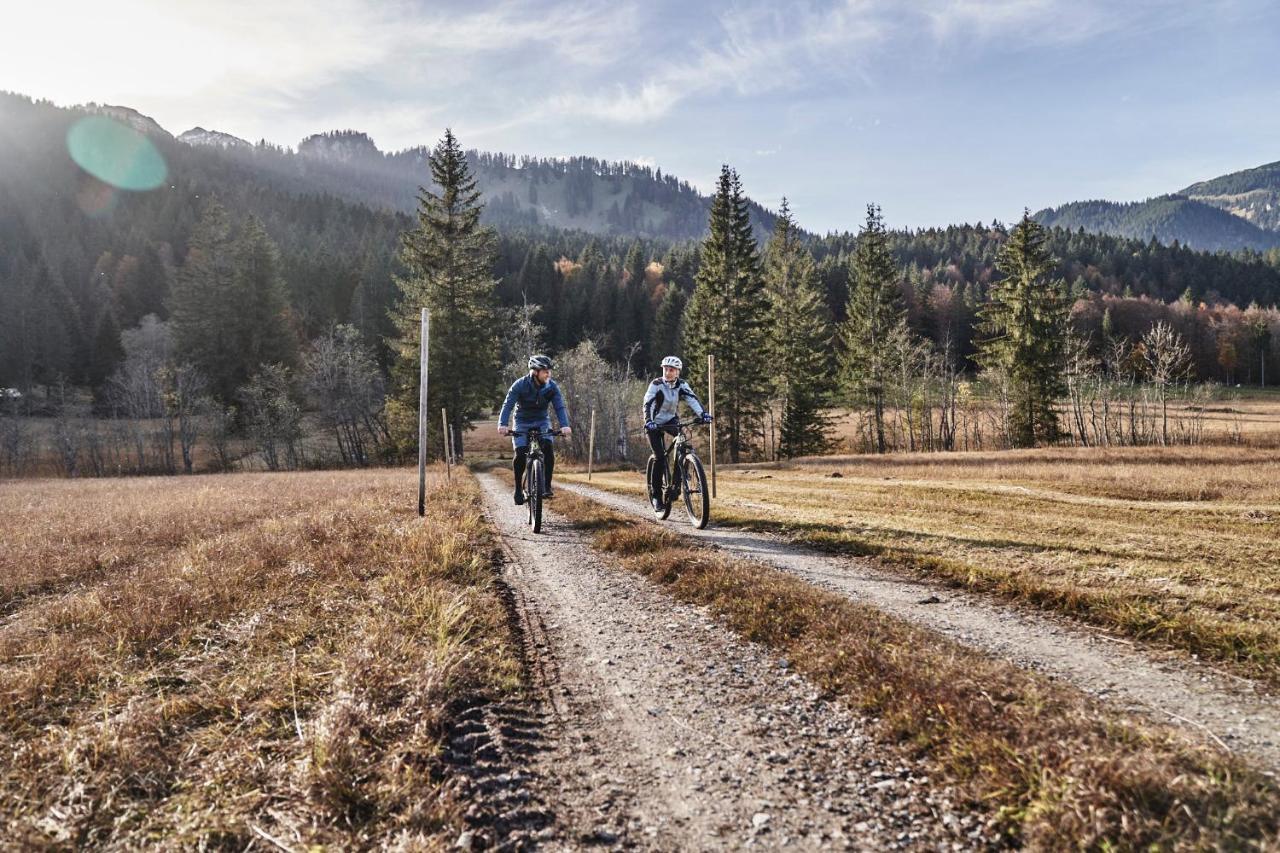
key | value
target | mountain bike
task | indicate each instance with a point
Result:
(534, 481)
(681, 464)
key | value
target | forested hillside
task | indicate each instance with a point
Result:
(578, 193)
(1194, 222)
(81, 262)
(1252, 194)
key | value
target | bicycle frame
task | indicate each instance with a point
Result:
(676, 451)
(535, 436)
(533, 487)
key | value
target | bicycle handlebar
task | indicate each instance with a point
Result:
(677, 424)
(532, 431)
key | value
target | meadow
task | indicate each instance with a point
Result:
(1175, 546)
(241, 660)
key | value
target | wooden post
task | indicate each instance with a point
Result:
(422, 414)
(591, 444)
(711, 401)
(453, 450)
(446, 440)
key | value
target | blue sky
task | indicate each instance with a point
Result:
(941, 111)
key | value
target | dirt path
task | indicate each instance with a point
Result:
(1225, 710)
(663, 730)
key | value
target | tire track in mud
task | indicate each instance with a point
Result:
(1225, 710)
(661, 729)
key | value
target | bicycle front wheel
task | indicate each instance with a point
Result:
(534, 496)
(693, 485)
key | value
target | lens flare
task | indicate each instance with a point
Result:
(116, 154)
(96, 198)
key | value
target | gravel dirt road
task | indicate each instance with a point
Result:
(652, 727)
(1225, 710)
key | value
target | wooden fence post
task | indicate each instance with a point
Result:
(446, 440)
(591, 444)
(711, 400)
(422, 413)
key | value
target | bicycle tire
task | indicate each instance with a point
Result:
(697, 500)
(660, 514)
(535, 495)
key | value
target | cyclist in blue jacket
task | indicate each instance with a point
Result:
(661, 412)
(529, 397)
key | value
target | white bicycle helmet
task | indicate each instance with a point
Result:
(672, 361)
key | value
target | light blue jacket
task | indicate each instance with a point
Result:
(662, 401)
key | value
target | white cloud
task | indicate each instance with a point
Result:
(402, 69)
(264, 59)
(1046, 22)
(760, 51)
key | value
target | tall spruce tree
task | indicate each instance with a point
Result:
(876, 318)
(263, 334)
(448, 261)
(726, 316)
(799, 345)
(228, 305)
(201, 305)
(1025, 328)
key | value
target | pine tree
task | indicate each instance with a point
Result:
(228, 306)
(799, 345)
(449, 261)
(726, 317)
(665, 339)
(106, 352)
(635, 312)
(201, 305)
(262, 334)
(876, 318)
(1025, 328)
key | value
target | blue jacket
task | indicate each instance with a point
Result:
(530, 404)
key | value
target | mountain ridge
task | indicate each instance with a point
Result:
(1235, 211)
(1168, 218)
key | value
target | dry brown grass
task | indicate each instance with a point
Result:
(1054, 769)
(1241, 416)
(212, 661)
(1177, 546)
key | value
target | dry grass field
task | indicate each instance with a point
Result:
(1238, 416)
(242, 660)
(1178, 546)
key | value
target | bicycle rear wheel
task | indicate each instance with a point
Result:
(534, 495)
(693, 485)
(660, 514)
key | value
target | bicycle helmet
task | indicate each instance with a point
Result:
(672, 361)
(539, 362)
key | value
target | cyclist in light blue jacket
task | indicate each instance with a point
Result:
(529, 398)
(662, 411)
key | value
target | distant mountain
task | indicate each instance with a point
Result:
(1168, 218)
(575, 193)
(1252, 195)
(343, 146)
(129, 116)
(213, 138)
(1229, 213)
(607, 198)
